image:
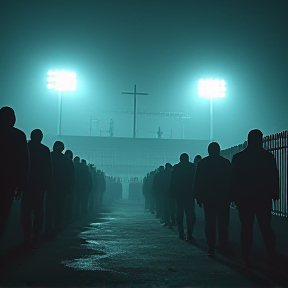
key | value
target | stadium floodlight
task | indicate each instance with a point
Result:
(211, 89)
(60, 81)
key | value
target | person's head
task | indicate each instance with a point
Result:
(36, 135)
(69, 154)
(197, 159)
(83, 161)
(184, 157)
(7, 117)
(161, 168)
(255, 138)
(214, 149)
(76, 159)
(58, 146)
(168, 166)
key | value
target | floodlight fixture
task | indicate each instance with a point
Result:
(211, 89)
(61, 80)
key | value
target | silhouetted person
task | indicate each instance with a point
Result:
(181, 188)
(69, 203)
(56, 194)
(101, 186)
(169, 216)
(158, 193)
(150, 179)
(211, 189)
(39, 179)
(255, 183)
(93, 194)
(77, 188)
(14, 164)
(86, 186)
(145, 192)
(197, 159)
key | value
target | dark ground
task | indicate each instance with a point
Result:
(124, 246)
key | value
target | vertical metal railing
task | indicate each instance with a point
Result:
(277, 144)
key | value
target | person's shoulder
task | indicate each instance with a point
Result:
(268, 154)
(176, 166)
(224, 160)
(204, 160)
(44, 148)
(19, 133)
(240, 154)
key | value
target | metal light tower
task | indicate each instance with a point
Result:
(61, 81)
(211, 89)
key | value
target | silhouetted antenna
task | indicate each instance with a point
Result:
(111, 129)
(159, 133)
(134, 111)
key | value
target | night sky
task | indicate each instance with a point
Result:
(164, 47)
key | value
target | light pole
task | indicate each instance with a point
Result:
(60, 80)
(211, 89)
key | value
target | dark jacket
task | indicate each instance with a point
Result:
(60, 181)
(14, 157)
(182, 180)
(254, 175)
(158, 182)
(71, 176)
(212, 180)
(40, 172)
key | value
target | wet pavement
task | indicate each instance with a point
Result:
(125, 246)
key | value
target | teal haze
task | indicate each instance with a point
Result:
(164, 47)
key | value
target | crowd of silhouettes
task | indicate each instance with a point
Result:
(55, 187)
(249, 182)
(58, 188)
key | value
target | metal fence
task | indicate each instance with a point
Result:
(277, 144)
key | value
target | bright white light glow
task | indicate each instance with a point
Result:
(211, 88)
(61, 80)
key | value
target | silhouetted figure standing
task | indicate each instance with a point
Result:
(197, 159)
(169, 216)
(181, 188)
(93, 196)
(211, 189)
(101, 184)
(150, 179)
(158, 193)
(56, 194)
(86, 186)
(145, 192)
(69, 203)
(78, 193)
(255, 183)
(14, 164)
(39, 179)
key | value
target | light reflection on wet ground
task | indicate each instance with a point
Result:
(131, 243)
(107, 241)
(125, 248)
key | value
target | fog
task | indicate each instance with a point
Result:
(164, 47)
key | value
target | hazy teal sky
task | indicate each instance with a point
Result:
(162, 46)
